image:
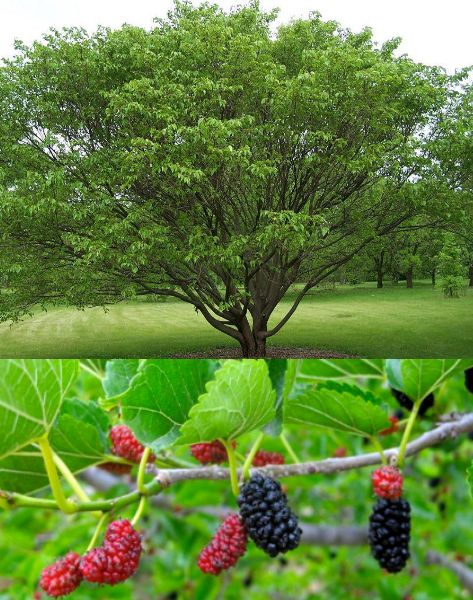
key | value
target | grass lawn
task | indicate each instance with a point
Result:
(361, 320)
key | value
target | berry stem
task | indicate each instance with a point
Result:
(289, 448)
(100, 524)
(232, 466)
(69, 477)
(407, 432)
(67, 506)
(377, 444)
(19, 500)
(139, 510)
(140, 481)
(251, 455)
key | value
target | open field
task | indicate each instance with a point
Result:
(360, 320)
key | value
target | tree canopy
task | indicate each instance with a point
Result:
(208, 159)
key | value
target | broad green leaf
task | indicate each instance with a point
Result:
(31, 393)
(240, 399)
(282, 374)
(118, 374)
(160, 396)
(339, 369)
(337, 406)
(78, 437)
(419, 377)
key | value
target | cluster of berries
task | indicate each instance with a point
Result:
(124, 445)
(390, 521)
(114, 561)
(214, 453)
(264, 516)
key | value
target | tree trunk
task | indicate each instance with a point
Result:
(253, 341)
(434, 277)
(471, 275)
(379, 264)
(410, 277)
(379, 278)
(253, 348)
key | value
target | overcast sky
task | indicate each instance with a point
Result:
(433, 31)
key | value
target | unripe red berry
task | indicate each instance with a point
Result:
(210, 453)
(125, 445)
(117, 559)
(225, 548)
(263, 458)
(116, 468)
(392, 428)
(387, 483)
(339, 452)
(62, 577)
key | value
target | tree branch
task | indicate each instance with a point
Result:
(464, 574)
(444, 431)
(316, 535)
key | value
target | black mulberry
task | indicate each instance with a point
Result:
(269, 521)
(407, 403)
(389, 533)
(469, 380)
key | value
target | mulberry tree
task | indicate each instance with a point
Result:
(208, 159)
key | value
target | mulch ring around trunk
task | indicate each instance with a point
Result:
(272, 352)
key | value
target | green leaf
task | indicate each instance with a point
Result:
(239, 400)
(282, 374)
(339, 369)
(79, 437)
(337, 406)
(419, 377)
(118, 374)
(160, 396)
(31, 393)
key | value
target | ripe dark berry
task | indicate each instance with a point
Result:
(125, 445)
(263, 458)
(117, 559)
(387, 483)
(407, 403)
(269, 521)
(62, 577)
(226, 547)
(210, 453)
(389, 533)
(469, 380)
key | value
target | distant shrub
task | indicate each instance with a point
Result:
(451, 269)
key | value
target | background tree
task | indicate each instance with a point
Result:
(205, 159)
(451, 268)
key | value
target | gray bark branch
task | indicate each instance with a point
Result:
(464, 574)
(444, 431)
